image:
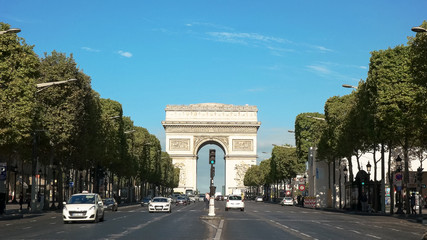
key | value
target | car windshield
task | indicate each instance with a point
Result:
(160, 200)
(82, 199)
(288, 198)
(235, 198)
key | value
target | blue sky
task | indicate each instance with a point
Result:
(285, 57)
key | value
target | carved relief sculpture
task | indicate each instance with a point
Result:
(179, 144)
(242, 145)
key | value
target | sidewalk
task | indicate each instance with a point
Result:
(410, 217)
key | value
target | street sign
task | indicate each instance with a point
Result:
(398, 176)
(71, 184)
(3, 171)
(288, 192)
(301, 187)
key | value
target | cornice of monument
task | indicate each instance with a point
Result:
(210, 124)
(212, 107)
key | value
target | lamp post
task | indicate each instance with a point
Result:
(399, 188)
(345, 170)
(53, 207)
(368, 168)
(41, 87)
(419, 29)
(10, 30)
(14, 170)
(349, 86)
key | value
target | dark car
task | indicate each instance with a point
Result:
(110, 204)
(219, 198)
(182, 200)
(145, 201)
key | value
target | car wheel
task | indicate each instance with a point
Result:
(66, 222)
(242, 209)
(102, 219)
(226, 209)
(96, 219)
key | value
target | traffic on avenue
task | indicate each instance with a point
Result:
(259, 220)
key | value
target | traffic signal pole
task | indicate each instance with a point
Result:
(211, 186)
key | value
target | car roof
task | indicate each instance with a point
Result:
(84, 194)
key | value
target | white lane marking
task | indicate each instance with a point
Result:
(394, 229)
(52, 217)
(219, 230)
(355, 231)
(210, 224)
(27, 227)
(52, 223)
(340, 228)
(8, 224)
(60, 232)
(373, 236)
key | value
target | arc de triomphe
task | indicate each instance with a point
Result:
(233, 128)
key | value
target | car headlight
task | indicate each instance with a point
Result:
(92, 208)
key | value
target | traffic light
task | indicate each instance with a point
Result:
(211, 156)
(363, 181)
(420, 174)
(3, 173)
(212, 171)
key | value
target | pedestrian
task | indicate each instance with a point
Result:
(364, 201)
(413, 204)
(21, 201)
(29, 203)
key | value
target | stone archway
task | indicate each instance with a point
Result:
(233, 128)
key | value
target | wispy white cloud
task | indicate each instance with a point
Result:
(255, 90)
(125, 54)
(322, 49)
(323, 70)
(244, 37)
(208, 25)
(91, 49)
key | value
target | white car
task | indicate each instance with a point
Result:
(83, 207)
(234, 201)
(287, 201)
(259, 199)
(159, 204)
(192, 198)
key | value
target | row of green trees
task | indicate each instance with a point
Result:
(280, 168)
(387, 112)
(70, 126)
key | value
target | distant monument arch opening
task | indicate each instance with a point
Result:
(232, 128)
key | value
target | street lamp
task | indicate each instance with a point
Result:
(345, 170)
(368, 168)
(418, 29)
(349, 86)
(41, 87)
(10, 30)
(399, 168)
(317, 118)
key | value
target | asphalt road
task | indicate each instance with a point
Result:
(258, 221)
